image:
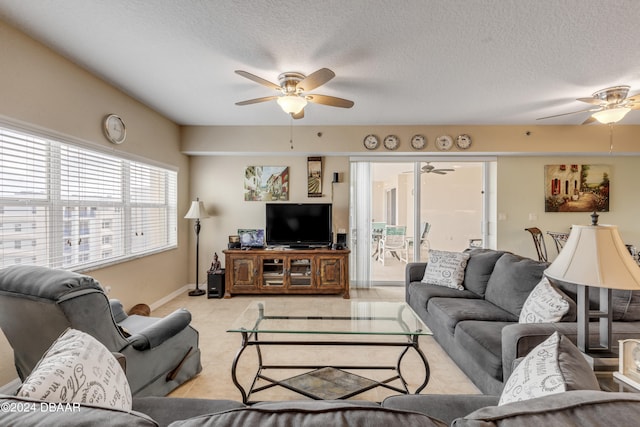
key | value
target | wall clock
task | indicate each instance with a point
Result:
(371, 142)
(114, 129)
(463, 141)
(391, 142)
(444, 143)
(418, 142)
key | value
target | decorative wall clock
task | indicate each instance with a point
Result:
(391, 142)
(418, 142)
(371, 142)
(463, 141)
(114, 129)
(444, 143)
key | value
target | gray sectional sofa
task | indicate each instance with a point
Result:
(589, 408)
(478, 326)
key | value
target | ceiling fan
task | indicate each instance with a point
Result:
(610, 105)
(429, 168)
(294, 88)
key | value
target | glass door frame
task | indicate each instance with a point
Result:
(489, 165)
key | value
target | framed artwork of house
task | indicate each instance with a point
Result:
(266, 183)
(576, 188)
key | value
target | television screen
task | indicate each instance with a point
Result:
(299, 224)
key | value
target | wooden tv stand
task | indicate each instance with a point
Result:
(286, 271)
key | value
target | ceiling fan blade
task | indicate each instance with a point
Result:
(315, 79)
(592, 100)
(259, 80)
(256, 100)
(438, 171)
(300, 115)
(444, 170)
(566, 114)
(633, 102)
(589, 120)
(329, 100)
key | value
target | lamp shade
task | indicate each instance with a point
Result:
(611, 115)
(596, 256)
(292, 104)
(197, 210)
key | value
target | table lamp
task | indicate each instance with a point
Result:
(197, 211)
(595, 257)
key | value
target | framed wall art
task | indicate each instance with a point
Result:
(266, 183)
(576, 188)
(314, 176)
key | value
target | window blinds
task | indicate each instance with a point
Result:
(66, 206)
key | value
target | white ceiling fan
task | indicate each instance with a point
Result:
(429, 168)
(609, 105)
(294, 88)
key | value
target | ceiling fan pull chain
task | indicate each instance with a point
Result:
(610, 137)
(291, 131)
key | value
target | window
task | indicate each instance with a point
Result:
(80, 207)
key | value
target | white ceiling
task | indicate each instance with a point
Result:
(413, 62)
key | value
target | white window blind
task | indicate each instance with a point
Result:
(66, 206)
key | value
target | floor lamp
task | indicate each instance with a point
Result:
(595, 257)
(196, 212)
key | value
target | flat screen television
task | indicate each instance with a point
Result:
(299, 224)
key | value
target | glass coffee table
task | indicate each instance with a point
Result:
(296, 322)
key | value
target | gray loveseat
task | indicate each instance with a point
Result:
(478, 326)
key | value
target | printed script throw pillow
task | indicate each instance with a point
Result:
(554, 366)
(78, 368)
(545, 304)
(446, 269)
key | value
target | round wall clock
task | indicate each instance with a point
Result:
(371, 142)
(463, 141)
(114, 129)
(444, 143)
(391, 142)
(418, 142)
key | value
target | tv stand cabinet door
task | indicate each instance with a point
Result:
(331, 272)
(242, 276)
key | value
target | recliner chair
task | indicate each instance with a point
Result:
(37, 304)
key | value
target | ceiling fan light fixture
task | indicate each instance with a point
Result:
(292, 104)
(611, 115)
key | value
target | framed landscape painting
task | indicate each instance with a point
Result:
(576, 188)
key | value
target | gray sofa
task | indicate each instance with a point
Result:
(589, 408)
(478, 326)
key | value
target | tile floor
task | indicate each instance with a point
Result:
(212, 317)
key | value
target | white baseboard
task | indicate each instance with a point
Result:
(171, 296)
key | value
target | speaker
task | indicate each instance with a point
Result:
(341, 241)
(336, 177)
(215, 285)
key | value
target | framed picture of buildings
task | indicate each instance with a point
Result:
(266, 183)
(576, 188)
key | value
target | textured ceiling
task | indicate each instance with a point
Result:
(422, 62)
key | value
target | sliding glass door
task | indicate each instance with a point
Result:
(400, 209)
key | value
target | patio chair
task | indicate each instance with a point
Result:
(394, 243)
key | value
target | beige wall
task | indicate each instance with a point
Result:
(218, 182)
(43, 89)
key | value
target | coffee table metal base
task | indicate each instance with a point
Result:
(340, 383)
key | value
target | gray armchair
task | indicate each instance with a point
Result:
(37, 304)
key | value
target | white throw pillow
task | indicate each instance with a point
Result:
(445, 269)
(78, 368)
(554, 366)
(544, 304)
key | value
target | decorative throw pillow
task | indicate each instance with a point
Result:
(78, 368)
(445, 269)
(545, 304)
(554, 366)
